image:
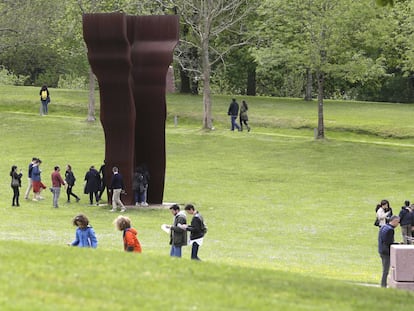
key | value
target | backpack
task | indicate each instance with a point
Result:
(43, 95)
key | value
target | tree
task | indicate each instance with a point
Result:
(206, 21)
(331, 39)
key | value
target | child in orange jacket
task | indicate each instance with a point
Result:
(131, 243)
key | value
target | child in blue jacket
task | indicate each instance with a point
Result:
(85, 235)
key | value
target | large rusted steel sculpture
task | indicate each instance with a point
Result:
(130, 56)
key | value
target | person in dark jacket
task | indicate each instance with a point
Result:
(178, 235)
(117, 186)
(406, 222)
(385, 239)
(233, 112)
(70, 182)
(16, 183)
(197, 229)
(93, 183)
(244, 118)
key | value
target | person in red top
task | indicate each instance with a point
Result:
(131, 243)
(57, 182)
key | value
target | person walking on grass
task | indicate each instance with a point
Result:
(16, 183)
(70, 182)
(385, 239)
(38, 186)
(233, 112)
(57, 182)
(29, 179)
(117, 186)
(131, 242)
(92, 185)
(178, 235)
(244, 118)
(85, 235)
(197, 230)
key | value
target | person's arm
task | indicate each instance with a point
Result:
(76, 241)
(92, 238)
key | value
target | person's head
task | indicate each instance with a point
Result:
(57, 168)
(115, 169)
(406, 203)
(122, 222)
(233, 99)
(80, 221)
(189, 208)
(385, 204)
(175, 209)
(34, 159)
(394, 221)
(13, 169)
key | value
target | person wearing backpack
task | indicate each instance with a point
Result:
(197, 230)
(44, 100)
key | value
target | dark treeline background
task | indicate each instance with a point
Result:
(276, 48)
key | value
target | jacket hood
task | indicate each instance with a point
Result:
(132, 230)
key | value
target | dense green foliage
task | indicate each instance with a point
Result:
(290, 218)
(368, 49)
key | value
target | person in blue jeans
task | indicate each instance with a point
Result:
(233, 112)
(178, 235)
(385, 239)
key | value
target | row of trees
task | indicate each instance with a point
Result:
(311, 48)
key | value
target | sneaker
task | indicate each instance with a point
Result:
(40, 198)
(77, 200)
(113, 210)
(123, 210)
(144, 204)
(136, 204)
(34, 199)
(68, 201)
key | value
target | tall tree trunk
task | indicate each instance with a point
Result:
(207, 123)
(91, 106)
(309, 83)
(321, 126)
(251, 81)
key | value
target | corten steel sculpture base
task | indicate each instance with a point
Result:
(130, 56)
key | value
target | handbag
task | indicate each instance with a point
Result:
(376, 222)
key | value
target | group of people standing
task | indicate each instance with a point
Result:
(233, 112)
(85, 235)
(387, 222)
(94, 184)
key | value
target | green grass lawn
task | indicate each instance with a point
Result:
(290, 218)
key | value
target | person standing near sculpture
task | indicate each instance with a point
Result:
(44, 100)
(178, 235)
(29, 178)
(385, 240)
(117, 186)
(16, 183)
(57, 182)
(233, 112)
(93, 183)
(70, 182)
(103, 181)
(406, 222)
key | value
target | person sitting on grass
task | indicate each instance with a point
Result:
(85, 235)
